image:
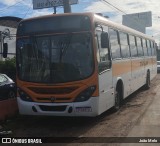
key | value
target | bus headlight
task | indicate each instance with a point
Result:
(85, 95)
(24, 96)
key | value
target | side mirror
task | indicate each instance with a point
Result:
(104, 40)
(5, 50)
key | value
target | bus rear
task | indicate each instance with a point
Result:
(56, 67)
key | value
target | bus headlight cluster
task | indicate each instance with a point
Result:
(86, 94)
(24, 96)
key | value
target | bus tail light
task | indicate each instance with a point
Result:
(86, 94)
(24, 96)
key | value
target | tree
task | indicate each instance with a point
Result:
(8, 67)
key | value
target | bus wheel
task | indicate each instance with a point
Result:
(117, 101)
(148, 81)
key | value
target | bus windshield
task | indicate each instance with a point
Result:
(55, 58)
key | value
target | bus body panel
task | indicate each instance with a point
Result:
(106, 99)
(138, 74)
(154, 67)
(122, 69)
(87, 108)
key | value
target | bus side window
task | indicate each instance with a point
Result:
(124, 45)
(152, 48)
(115, 48)
(144, 47)
(103, 55)
(149, 48)
(139, 46)
(133, 47)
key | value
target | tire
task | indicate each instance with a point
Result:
(148, 81)
(117, 102)
(11, 94)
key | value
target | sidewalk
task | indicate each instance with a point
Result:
(149, 124)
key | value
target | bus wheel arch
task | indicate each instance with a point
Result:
(118, 95)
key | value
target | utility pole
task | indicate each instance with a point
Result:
(1, 43)
(55, 11)
(67, 7)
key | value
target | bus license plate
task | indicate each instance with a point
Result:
(83, 109)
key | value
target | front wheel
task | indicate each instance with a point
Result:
(11, 94)
(117, 101)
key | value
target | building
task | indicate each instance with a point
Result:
(138, 21)
(8, 28)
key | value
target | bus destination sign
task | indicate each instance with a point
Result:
(40, 4)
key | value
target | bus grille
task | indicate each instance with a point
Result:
(55, 100)
(49, 99)
(53, 108)
(40, 90)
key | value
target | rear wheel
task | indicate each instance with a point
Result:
(148, 81)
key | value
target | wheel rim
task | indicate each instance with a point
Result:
(11, 94)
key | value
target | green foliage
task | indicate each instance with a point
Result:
(8, 67)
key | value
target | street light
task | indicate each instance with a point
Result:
(5, 33)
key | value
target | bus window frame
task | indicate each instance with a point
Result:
(131, 44)
(152, 48)
(139, 55)
(148, 43)
(118, 42)
(127, 44)
(144, 46)
(103, 29)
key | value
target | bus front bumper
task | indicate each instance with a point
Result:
(87, 108)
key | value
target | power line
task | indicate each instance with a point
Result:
(10, 6)
(114, 6)
(27, 11)
(23, 17)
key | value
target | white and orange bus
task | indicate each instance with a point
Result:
(79, 64)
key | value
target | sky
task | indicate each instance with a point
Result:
(114, 9)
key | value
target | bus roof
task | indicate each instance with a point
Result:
(97, 18)
(121, 27)
(57, 15)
